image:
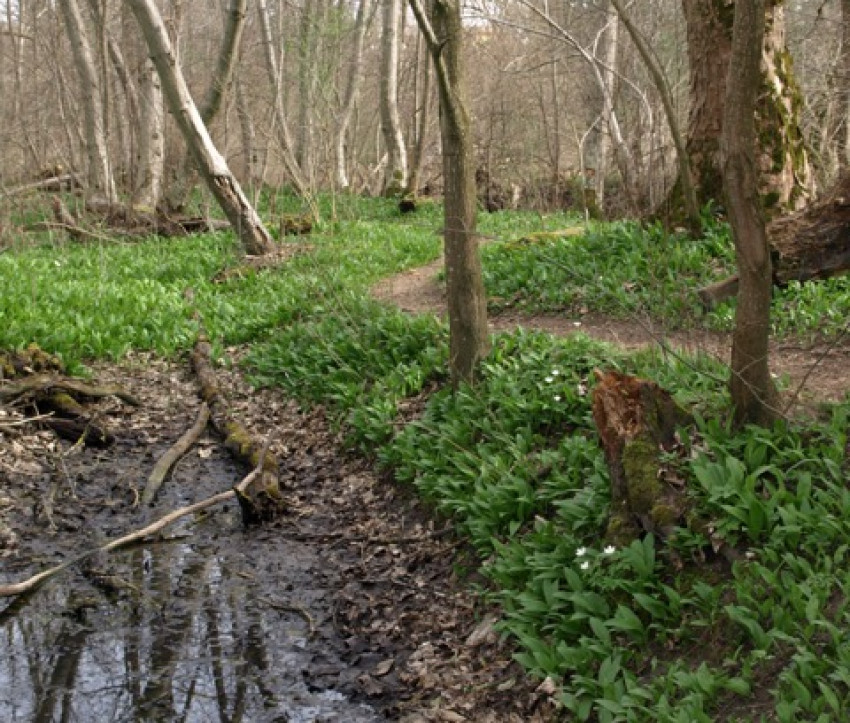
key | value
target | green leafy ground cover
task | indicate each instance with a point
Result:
(660, 630)
(625, 269)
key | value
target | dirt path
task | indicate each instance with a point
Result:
(347, 609)
(819, 372)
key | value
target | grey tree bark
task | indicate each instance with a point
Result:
(467, 303)
(283, 133)
(361, 21)
(211, 164)
(751, 387)
(395, 179)
(100, 179)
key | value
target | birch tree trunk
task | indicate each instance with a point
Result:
(100, 178)
(211, 164)
(395, 180)
(467, 303)
(347, 109)
(752, 389)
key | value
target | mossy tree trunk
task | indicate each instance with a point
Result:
(637, 420)
(751, 386)
(785, 178)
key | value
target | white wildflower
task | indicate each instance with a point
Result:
(549, 380)
(610, 550)
(580, 552)
(557, 397)
(585, 565)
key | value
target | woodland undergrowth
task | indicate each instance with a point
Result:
(658, 630)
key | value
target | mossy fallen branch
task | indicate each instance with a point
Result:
(263, 501)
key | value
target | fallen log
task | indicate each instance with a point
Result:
(262, 501)
(169, 459)
(44, 383)
(36, 581)
(807, 246)
(637, 421)
(62, 182)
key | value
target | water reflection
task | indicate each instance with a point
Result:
(171, 636)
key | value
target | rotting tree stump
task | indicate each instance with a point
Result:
(637, 422)
(261, 501)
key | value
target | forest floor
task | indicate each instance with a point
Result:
(354, 606)
(814, 372)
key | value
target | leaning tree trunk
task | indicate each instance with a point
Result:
(751, 387)
(99, 170)
(395, 180)
(467, 305)
(656, 72)
(211, 164)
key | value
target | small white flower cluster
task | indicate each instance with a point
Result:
(550, 379)
(582, 552)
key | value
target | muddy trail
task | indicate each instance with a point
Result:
(813, 371)
(348, 608)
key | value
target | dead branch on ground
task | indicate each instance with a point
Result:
(170, 458)
(36, 581)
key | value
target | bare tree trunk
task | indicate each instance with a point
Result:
(226, 62)
(467, 304)
(423, 116)
(609, 78)
(148, 189)
(249, 136)
(395, 180)
(347, 109)
(844, 104)
(99, 171)
(751, 386)
(212, 166)
(663, 88)
(284, 135)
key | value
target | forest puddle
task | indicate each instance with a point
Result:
(346, 608)
(212, 623)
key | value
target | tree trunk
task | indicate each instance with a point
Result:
(284, 136)
(151, 163)
(785, 177)
(656, 72)
(467, 304)
(354, 73)
(99, 171)
(212, 166)
(421, 118)
(751, 386)
(844, 93)
(395, 180)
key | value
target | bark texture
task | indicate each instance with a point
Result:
(785, 176)
(467, 306)
(100, 177)
(751, 386)
(395, 180)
